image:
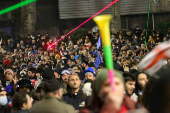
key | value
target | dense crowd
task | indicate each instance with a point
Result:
(71, 76)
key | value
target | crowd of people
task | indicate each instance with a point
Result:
(65, 78)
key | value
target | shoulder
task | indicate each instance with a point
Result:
(130, 104)
(84, 110)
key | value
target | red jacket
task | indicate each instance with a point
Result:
(127, 105)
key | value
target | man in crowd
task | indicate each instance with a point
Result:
(65, 74)
(32, 74)
(4, 107)
(74, 95)
(52, 103)
(89, 74)
(130, 86)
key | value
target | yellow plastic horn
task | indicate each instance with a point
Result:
(103, 22)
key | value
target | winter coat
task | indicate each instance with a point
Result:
(75, 99)
(21, 111)
(5, 109)
(127, 105)
(51, 105)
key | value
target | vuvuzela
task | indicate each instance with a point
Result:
(103, 22)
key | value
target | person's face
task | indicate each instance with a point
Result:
(29, 74)
(52, 62)
(76, 69)
(3, 93)
(168, 61)
(89, 76)
(142, 80)
(25, 69)
(38, 75)
(74, 82)
(72, 56)
(89, 56)
(43, 43)
(36, 61)
(73, 63)
(83, 64)
(106, 88)
(137, 60)
(9, 76)
(69, 62)
(28, 105)
(65, 78)
(45, 54)
(129, 87)
(80, 52)
(56, 75)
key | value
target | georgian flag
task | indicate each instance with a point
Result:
(154, 60)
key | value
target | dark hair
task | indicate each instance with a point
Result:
(37, 95)
(18, 99)
(129, 77)
(133, 63)
(33, 70)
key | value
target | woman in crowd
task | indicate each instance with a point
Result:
(108, 98)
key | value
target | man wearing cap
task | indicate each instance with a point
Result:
(52, 102)
(65, 74)
(89, 74)
(4, 108)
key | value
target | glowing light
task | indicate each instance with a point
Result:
(16, 6)
(88, 20)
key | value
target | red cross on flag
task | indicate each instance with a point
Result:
(154, 60)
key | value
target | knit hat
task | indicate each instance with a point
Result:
(103, 75)
(57, 70)
(25, 55)
(65, 71)
(23, 66)
(52, 85)
(89, 70)
(9, 70)
(7, 62)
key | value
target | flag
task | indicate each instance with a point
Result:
(95, 53)
(98, 43)
(154, 60)
(98, 61)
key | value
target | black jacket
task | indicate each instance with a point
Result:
(5, 109)
(21, 111)
(74, 99)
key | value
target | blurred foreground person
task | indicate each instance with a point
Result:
(4, 107)
(52, 102)
(21, 102)
(160, 95)
(105, 100)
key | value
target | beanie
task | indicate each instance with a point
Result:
(103, 75)
(7, 62)
(9, 70)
